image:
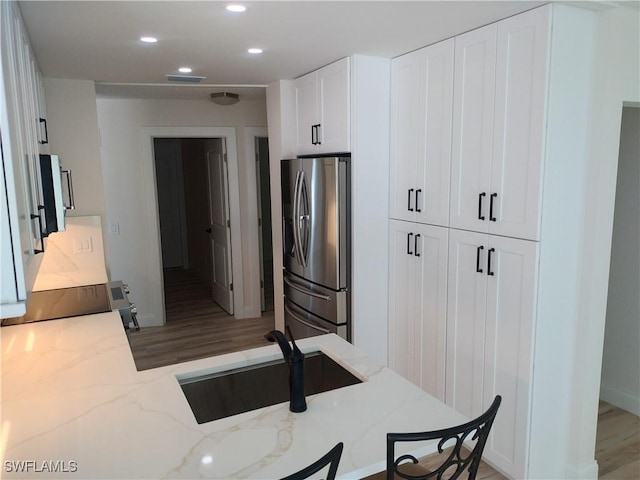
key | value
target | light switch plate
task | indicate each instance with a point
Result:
(83, 245)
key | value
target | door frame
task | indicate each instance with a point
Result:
(253, 308)
(152, 220)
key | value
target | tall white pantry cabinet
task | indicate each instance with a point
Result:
(479, 145)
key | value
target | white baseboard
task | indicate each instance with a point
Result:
(620, 399)
(583, 472)
(248, 312)
(148, 321)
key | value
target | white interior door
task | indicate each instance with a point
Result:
(219, 226)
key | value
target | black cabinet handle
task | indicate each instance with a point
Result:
(489, 272)
(415, 245)
(478, 269)
(46, 132)
(409, 235)
(315, 134)
(418, 191)
(491, 217)
(409, 200)
(42, 233)
(480, 216)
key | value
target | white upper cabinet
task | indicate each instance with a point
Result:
(519, 123)
(322, 110)
(421, 110)
(474, 86)
(498, 128)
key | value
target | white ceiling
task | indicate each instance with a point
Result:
(99, 40)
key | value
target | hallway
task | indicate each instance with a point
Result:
(196, 327)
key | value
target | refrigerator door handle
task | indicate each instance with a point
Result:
(296, 222)
(315, 327)
(303, 224)
(305, 291)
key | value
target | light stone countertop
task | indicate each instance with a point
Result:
(73, 400)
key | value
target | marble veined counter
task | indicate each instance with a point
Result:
(74, 406)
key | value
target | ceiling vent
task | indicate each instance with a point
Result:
(185, 78)
(225, 98)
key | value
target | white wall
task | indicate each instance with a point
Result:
(120, 122)
(73, 135)
(621, 361)
(617, 80)
(280, 106)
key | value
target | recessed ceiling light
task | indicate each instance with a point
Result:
(185, 70)
(148, 39)
(236, 8)
(255, 50)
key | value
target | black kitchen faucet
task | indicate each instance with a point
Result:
(295, 360)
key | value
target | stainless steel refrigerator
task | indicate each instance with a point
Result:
(316, 227)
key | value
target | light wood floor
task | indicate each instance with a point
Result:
(198, 328)
(617, 443)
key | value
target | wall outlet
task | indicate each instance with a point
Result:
(83, 245)
(114, 228)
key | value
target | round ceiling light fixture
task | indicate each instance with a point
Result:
(149, 39)
(185, 70)
(236, 8)
(255, 51)
(225, 98)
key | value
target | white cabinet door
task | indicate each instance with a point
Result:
(306, 113)
(322, 110)
(421, 109)
(404, 353)
(405, 134)
(466, 310)
(491, 306)
(511, 293)
(333, 103)
(473, 100)
(498, 126)
(519, 123)
(417, 304)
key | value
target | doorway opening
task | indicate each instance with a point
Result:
(619, 409)
(196, 223)
(195, 234)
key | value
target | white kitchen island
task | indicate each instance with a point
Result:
(73, 401)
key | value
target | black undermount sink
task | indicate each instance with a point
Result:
(223, 394)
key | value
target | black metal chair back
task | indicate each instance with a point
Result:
(457, 461)
(332, 458)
